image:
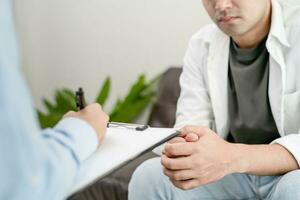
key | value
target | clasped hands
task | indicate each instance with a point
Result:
(197, 157)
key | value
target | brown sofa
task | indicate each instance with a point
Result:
(115, 185)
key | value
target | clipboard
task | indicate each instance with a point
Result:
(120, 147)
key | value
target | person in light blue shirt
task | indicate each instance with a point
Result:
(37, 164)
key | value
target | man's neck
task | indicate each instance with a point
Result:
(256, 34)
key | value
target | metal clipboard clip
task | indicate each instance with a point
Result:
(137, 127)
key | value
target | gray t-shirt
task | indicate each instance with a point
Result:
(251, 119)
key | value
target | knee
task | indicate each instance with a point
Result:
(288, 186)
(290, 181)
(148, 177)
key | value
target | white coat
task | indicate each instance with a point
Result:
(204, 80)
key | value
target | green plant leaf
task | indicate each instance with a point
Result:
(135, 90)
(47, 121)
(65, 100)
(152, 85)
(49, 106)
(138, 98)
(104, 92)
(116, 107)
(130, 111)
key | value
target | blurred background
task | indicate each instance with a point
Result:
(71, 43)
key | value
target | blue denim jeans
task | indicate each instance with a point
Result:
(149, 182)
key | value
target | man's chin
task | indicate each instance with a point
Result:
(232, 32)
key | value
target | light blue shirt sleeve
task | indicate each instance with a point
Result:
(35, 164)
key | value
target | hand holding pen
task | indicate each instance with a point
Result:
(81, 103)
(93, 115)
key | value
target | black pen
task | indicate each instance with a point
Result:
(81, 104)
(80, 100)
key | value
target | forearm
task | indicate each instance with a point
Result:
(263, 160)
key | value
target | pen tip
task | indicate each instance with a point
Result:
(79, 91)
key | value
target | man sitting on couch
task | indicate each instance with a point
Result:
(240, 80)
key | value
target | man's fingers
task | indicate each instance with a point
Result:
(198, 130)
(179, 149)
(191, 137)
(179, 175)
(176, 140)
(173, 141)
(179, 163)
